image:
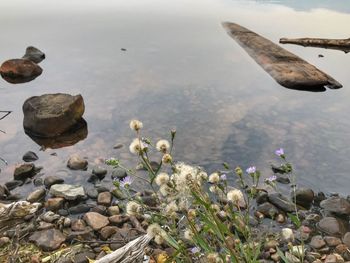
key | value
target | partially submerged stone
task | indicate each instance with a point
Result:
(23, 171)
(286, 68)
(336, 205)
(19, 70)
(75, 162)
(67, 191)
(51, 115)
(34, 54)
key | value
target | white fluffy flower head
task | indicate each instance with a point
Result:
(136, 146)
(133, 208)
(136, 125)
(214, 178)
(162, 178)
(163, 146)
(236, 196)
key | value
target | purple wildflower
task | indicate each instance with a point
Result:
(271, 179)
(251, 170)
(126, 181)
(279, 152)
(195, 250)
(223, 177)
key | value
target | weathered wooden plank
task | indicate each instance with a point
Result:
(286, 68)
(337, 44)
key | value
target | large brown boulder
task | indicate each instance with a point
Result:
(19, 70)
(52, 115)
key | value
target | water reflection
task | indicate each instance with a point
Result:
(78, 133)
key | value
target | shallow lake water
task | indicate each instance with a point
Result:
(181, 70)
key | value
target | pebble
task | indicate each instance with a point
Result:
(287, 234)
(13, 184)
(317, 242)
(30, 156)
(108, 231)
(75, 162)
(333, 226)
(79, 209)
(54, 203)
(104, 198)
(92, 193)
(36, 196)
(119, 173)
(23, 171)
(48, 240)
(67, 191)
(78, 225)
(95, 220)
(332, 241)
(51, 180)
(281, 202)
(336, 205)
(113, 210)
(99, 171)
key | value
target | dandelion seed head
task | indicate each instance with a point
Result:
(137, 146)
(163, 146)
(214, 178)
(167, 158)
(162, 178)
(154, 229)
(188, 234)
(133, 208)
(136, 125)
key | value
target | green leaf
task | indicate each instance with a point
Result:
(283, 257)
(226, 165)
(295, 220)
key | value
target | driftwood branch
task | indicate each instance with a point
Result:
(338, 44)
(131, 252)
(285, 67)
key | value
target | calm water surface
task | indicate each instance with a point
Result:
(181, 70)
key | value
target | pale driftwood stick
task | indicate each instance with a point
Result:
(286, 68)
(133, 252)
(338, 44)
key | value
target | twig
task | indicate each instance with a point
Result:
(5, 115)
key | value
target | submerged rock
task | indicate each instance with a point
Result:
(304, 197)
(51, 115)
(19, 70)
(48, 240)
(36, 196)
(67, 191)
(333, 226)
(336, 205)
(51, 180)
(24, 171)
(281, 202)
(34, 54)
(75, 162)
(30, 157)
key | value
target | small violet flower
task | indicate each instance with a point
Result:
(279, 152)
(271, 179)
(251, 170)
(195, 250)
(223, 177)
(126, 181)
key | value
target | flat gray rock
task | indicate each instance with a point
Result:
(67, 191)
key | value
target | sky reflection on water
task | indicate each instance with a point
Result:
(181, 71)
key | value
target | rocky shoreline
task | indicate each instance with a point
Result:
(97, 220)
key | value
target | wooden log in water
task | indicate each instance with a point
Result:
(338, 44)
(286, 68)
